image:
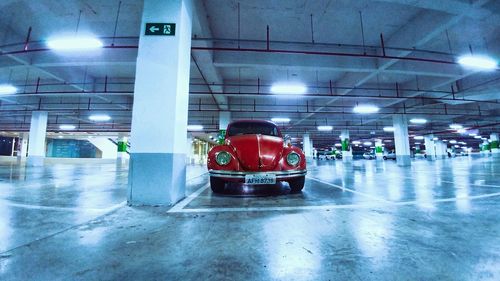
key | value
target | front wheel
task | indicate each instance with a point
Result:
(385, 157)
(297, 184)
(217, 185)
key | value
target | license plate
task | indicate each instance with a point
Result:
(260, 179)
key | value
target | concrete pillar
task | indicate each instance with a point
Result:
(38, 131)
(121, 149)
(189, 150)
(13, 148)
(306, 142)
(23, 147)
(157, 173)
(379, 150)
(495, 150)
(401, 140)
(346, 146)
(418, 150)
(440, 149)
(485, 148)
(224, 120)
(430, 148)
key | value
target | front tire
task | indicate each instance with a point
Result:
(297, 184)
(385, 157)
(217, 185)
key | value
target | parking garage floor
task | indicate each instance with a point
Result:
(365, 221)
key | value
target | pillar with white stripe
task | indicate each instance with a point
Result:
(401, 140)
(37, 135)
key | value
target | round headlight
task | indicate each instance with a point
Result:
(222, 158)
(293, 159)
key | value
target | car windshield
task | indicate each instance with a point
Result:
(252, 128)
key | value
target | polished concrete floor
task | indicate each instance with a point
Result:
(365, 221)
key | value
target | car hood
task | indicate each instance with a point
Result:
(257, 152)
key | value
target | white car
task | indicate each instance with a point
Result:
(368, 155)
(390, 155)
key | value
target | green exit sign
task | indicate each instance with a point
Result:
(162, 29)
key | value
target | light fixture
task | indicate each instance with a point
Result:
(444, 141)
(365, 109)
(289, 88)
(388, 129)
(367, 143)
(338, 144)
(417, 143)
(325, 128)
(478, 137)
(75, 43)
(461, 131)
(435, 138)
(356, 142)
(6, 89)
(194, 127)
(99, 117)
(478, 62)
(418, 137)
(456, 126)
(67, 127)
(453, 141)
(280, 120)
(418, 121)
(472, 134)
(457, 146)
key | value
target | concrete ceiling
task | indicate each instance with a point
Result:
(319, 43)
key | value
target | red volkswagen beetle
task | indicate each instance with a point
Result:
(254, 152)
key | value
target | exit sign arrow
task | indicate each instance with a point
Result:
(153, 29)
(160, 29)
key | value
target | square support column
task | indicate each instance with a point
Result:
(23, 147)
(306, 142)
(494, 145)
(401, 140)
(38, 132)
(157, 174)
(346, 146)
(430, 147)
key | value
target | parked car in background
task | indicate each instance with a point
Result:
(391, 155)
(254, 153)
(369, 155)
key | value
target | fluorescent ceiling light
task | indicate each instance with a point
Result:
(478, 62)
(74, 43)
(280, 120)
(99, 117)
(445, 141)
(338, 144)
(388, 129)
(365, 109)
(417, 143)
(418, 121)
(367, 143)
(356, 142)
(289, 88)
(418, 137)
(461, 131)
(67, 127)
(456, 126)
(478, 137)
(435, 138)
(7, 89)
(472, 134)
(194, 127)
(325, 128)
(453, 141)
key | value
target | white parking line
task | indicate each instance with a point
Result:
(350, 190)
(329, 207)
(179, 206)
(71, 209)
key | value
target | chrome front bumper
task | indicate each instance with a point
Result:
(280, 175)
